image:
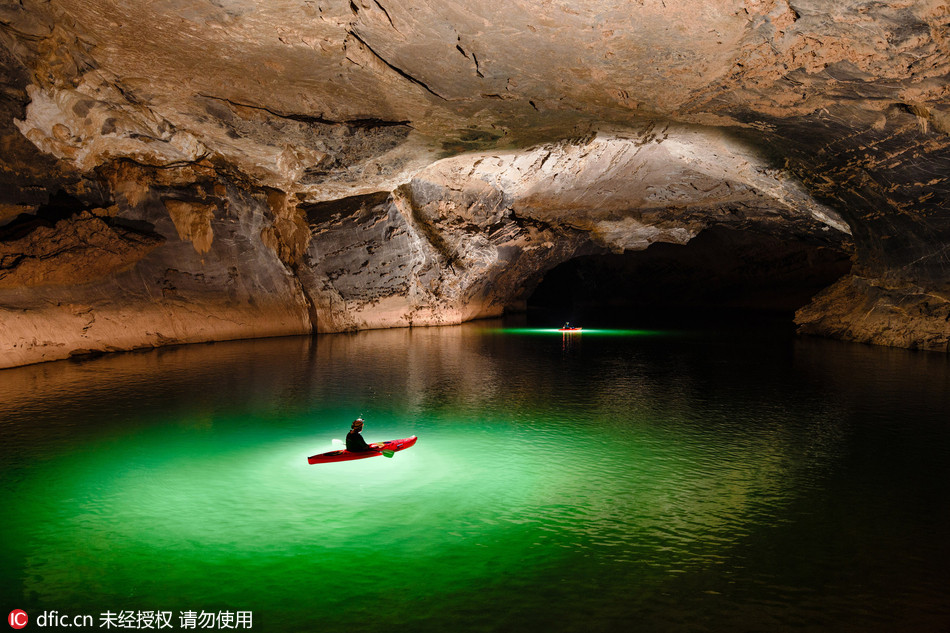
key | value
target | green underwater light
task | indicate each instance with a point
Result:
(549, 491)
(526, 331)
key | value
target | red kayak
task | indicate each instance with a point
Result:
(345, 455)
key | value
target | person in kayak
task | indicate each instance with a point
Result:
(354, 441)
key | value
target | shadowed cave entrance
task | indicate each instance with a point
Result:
(722, 276)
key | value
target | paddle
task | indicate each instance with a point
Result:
(386, 452)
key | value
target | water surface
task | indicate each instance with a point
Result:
(646, 480)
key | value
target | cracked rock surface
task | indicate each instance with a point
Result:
(196, 170)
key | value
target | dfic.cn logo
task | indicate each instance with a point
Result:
(18, 618)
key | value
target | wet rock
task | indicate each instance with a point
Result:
(867, 311)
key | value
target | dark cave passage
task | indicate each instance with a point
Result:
(720, 275)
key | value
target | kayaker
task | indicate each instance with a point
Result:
(354, 441)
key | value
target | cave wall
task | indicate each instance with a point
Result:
(167, 263)
(469, 237)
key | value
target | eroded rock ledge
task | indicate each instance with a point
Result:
(868, 311)
(76, 250)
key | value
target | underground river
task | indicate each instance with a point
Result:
(622, 480)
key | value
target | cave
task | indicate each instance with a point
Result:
(377, 169)
(231, 231)
(720, 277)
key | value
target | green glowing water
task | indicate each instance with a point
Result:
(649, 481)
(586, 332)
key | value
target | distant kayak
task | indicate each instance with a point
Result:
(344, 455)
(570, 329)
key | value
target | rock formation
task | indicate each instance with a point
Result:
(197, 170)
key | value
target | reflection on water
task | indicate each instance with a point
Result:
(679, 481)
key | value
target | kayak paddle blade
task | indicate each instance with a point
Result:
(388, 453)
